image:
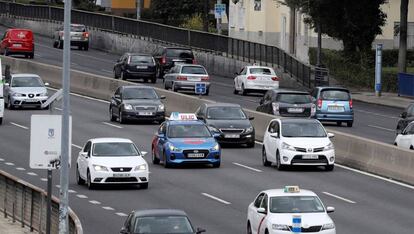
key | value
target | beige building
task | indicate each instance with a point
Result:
(269, 22)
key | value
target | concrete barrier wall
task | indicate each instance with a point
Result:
(376, 157)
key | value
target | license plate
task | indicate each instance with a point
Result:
(145, 113)
(310, 156)
(195, 155)
(76, 38)
(30, 100)
(121, 175)
(336, 108)
(17, 45)
(194, 79)
(231, 136)
(142, 67)
(295, 110)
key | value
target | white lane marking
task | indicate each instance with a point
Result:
(216, 198)
(222, 84)
(71, 191)
(83, 96)
(81, 196)
(121, 214)
(59, 109)
(1, 159)
(376, 176)
(43, 179)
(94, 202)
(112, 125)
(20, 169)
(38, 55)
(77, 146)
(18, 125)
(373, 113)
(74, 64)
(94, 58)
(107, 208)
(107, 71)
(9, 164)
(247, 167)
(339, 197)
(382, 128)
(32, 173)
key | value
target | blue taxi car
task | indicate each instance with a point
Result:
(185, 140)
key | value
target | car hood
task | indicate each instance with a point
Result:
(118, 161)
(307, 142)
(27, 90)
(308, 219)
(149, 102)
(193, 142)
(242, 124)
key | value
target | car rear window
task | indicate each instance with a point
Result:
(260, 70)
(294, 98)
(77, 28)
(180, 53)
(193, 70)
(141, 59)
(21, 35)
(332, 94)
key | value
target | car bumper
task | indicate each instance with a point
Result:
(334, 117)
(243, 139)
(133, 115)
(254, 86)
(189, 85)
(109, 177)
(289, 157)
(21, 50)
(24, 101)
(79, 43)
(180, 158)
(331, 231)
(1, 107)
(135, 74)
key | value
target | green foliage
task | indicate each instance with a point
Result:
(175, 11)
(195, 22)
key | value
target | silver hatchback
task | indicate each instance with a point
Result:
(25, 90)
(185, 77)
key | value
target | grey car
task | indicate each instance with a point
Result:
(25, 90)
(185, 77)
(78, 37)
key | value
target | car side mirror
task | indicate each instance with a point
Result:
(216, 134)
(161, 135)
(331, 135)
(261, 210)
(274, 135)
(403, 115)
(251, 118)
(123, 231)
(84, 154)
(163, 97)
(117, 96)
(47, 84)
(200, 117)
(6, 84)
(143, 153)
(330, 209)
(200, 230)
(236, 73)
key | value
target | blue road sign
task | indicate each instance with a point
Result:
(296, 224)
(200, 88)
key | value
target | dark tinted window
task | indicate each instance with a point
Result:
(141, 59)
(332, 94)
(225, 112)
(305, 129)
(77, 28)
(163, 224)
(114, 149)
(293, 98)
(193, 70)
(180, 53)
(26, 82)
(261, 70)
(258, 200)
(137, 93)
(191, 131)
(296, 204)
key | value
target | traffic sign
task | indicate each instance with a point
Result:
(219, 10)
(200, 88)
(296, 224)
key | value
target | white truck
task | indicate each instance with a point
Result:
(1, 94)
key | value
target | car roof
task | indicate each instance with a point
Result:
(110, 140)
(189, 65)
(177, 48)
(254, 66)
(332, 87)
(77, 25)
(19, 29)
(24, 75)
(298, 120)
(288, 91)
(138, 54)
(222, 104)
(159, 212)
(136, 86)
(185, 122)
(282, 193)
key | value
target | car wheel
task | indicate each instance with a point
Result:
(145, 80)
(235, 90)
(31, 55)
(166, 163)
(9, 104)
(250, 144)
(207, 92)
(155, 160)
(1, 120)
(265, 162)
(329, 167)
(243, 90)
(174, 88)
(143, 185)
(121, 118)
(111, 115)
(249, 228)
(154, 80)
(349, 124)
(216, 165)
(122, 75)
(338, 123)
(80, 47)
(55, 44)
(411, 148)
(89, 182)
(6, 52)
(86, 47)
(79, 180)
(60, 45)
(279, 165)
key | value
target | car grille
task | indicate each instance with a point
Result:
(284, 112)
(314, 150)
(145, 108)
(231, 130)
(119, 180)
(310, 229)
(195, 151)
(31, 95)
(320, 149)
(299, 149)
(298, 159)
(121, 169)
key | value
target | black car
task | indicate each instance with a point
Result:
(287, 103)
(406, 117)
(159, 221)
(136, 103)
(167, 57)
(228, 120)
(136, 66)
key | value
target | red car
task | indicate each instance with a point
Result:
(18, 41)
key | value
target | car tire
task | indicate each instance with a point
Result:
(121, 118)
(145, 80)
(6, 52)
(249, 228)
(329, 167)
(112, 118)
(207, 92)
(79, 179)
(174, 88)
(166, 163)
(115, 74)
(251, 144)
(1, 120)
(80, 47)
(411, 148)
(89, 182)
(279, 165)
(155, 160)
(165, 85)
(216, 165)
(86, 47)
(349, 124)
(143, 185)
(122, 75)
(31, 55)
(9, 104)
(60, 44)
(235, 91)
(265, 162)
(243, 90)
(338, 123)
(154, 80)
(55, 44)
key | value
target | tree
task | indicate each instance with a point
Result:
(402, 52)
(175, 12)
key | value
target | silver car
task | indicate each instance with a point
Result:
(78, 37)
(24, 90)
(185, 77)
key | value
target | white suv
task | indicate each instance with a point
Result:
(297, 142)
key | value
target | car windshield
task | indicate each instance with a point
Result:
(225, 112)
(77, 28)
(27, 82)
(193, 70)
(338, 95)
(261, 70)
(141, 59)
(188, 131)
(179, 53)
(114, 149)
(162, 225)
(293, 98)
(296, 204)
(303, 130)
(137, 93)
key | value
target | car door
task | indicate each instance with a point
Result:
(83, 159)
(201, 112)
(161, 139)
(116, 101)
(407, 136)
(3, 42)
(6, 89)
(170, 76)
(117, 66)
(262, 224)
(241, 78)
(254, 216)
(272, 141)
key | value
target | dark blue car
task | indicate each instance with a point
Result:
(333, 104)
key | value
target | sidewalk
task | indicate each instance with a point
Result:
(386, 99)
(8, 227)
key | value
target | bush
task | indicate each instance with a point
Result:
(193, 23)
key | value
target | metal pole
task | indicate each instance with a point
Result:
(378, 69)
(64, 169)
(138, 9)
(49, 189)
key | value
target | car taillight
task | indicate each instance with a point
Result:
(194, 61)
(275, 78)
(319, 103)
(350, 103)
(86, 34)
(163, 60)
(205, 78)
(181, 78)
(251, 77)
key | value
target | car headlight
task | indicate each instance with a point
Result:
(328, 226)
(161, 107)
(100, 168)
(213, 129)
(249, 130)
(127, 106)
(216, 147)
(328, 147)
(280, 227)
(173, 148)
(287, 147)
(17, 95)
(142, 167)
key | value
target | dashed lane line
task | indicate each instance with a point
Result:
(18, 125)
(95, 202)
(107, 208)
(32, 173)
(216, 198)
(9, 164)
(77, 146)
(82, 196)
(20, 169)
(382, 128)
(121, 214)
(247, 167)
(339, 197)
(112, 125)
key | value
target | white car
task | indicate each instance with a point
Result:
(286, 210)
(297, 142)
(111, 161)
(255, 78)
(406, 138)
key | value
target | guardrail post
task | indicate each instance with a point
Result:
(5, 198)
(23, 204)
(113, 23)
(14, 218)
(49, 12)
(188, 37)
(15, 201)
(31, 210)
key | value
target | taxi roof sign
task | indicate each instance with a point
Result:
(292, 189)
(183, 116)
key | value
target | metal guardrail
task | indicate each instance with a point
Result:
(243, 50)
(26, 204)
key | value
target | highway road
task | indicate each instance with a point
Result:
(371, 121)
